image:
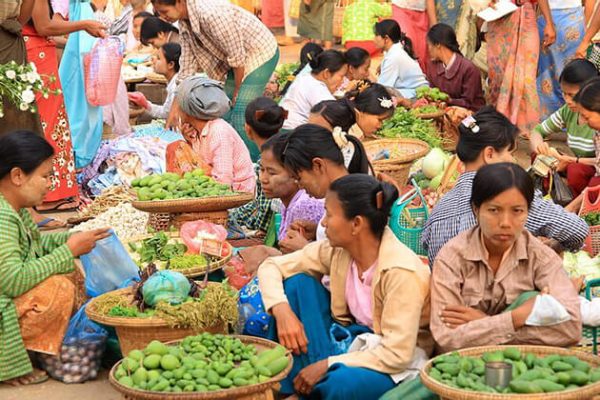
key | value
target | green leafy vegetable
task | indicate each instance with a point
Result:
(285, 73)
(188, 261)
(158, 248)
(404, 124)
(433, 94)
(592, 218)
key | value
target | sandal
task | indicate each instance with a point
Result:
(34, 378)
(71, 204)
(50, 224)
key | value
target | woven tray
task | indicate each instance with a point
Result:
(135, 80)
(156, 78)
(447, 392)
(258, 391)
(189, 272)
(403, 150)
(204, 204)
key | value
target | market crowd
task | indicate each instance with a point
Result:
(339, 270)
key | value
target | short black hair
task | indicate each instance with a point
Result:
(492, 129)
(589, 95)
(276, 144)
(356, 56)
(358, 194)
(494, 179)
(331, 60)
(143, 14)
(578, 71)
(442, 34)
(24, 150)
(172, 52)
(152, 26)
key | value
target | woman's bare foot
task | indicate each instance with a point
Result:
(33, 378)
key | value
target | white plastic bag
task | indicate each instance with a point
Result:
(547, 311)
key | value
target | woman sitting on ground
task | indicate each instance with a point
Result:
(36, 295)
(450, 72)
(327, 73)
(378, 286)
(488, 137)
(480, 277)
(202, 102)
(157, 32)
(359, 64)
(166, 64)
(579, 168)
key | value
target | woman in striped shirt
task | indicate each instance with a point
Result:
(580, 136)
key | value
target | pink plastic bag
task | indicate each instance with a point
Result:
(236, 274)
(102, 70)
(189, 233)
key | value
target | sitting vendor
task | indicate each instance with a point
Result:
(167, 64)
(36, 296)
(580, 136)
(488, 137)
(378, 286)
(450, 72)
(479, 276)
(202, 104)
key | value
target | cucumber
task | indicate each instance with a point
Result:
(277, 365)
(548, 386)
(268, 356)
(512, 353)
(519, 386)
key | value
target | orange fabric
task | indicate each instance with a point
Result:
(181, 159)
(44, 313)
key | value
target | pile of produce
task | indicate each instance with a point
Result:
(200, 363)
(425, 109)
(109, 198)
(285, 73)
(169, 186)
(160, 247)
(530, 373)
(126, 221)
(78, 361)
(592, 218)
(431, 95)
(405, 124)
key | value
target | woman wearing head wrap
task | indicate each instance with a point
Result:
(202, 103)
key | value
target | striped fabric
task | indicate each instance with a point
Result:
(26, 259)
(453, 215)
(580, 137)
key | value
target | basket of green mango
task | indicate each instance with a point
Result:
(538, 372)
(192, 192)
(203, 367)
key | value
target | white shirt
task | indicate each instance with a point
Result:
(305, 92)
(162, 112)
(563, 4)
(416, 5)
(401, 71)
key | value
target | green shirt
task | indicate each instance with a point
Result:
(26, 259)
(580, 138)
(360, 18)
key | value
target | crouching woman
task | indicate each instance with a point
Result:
(377, 285)
(36, 296)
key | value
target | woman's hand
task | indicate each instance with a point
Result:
(454, 315)
(139, 99)
(294, 241)
(289, 329)
(174, 118)
(95, 28)
(581, 51)
(549, 35)
(309, 376)
(308, 229)
(83, 242)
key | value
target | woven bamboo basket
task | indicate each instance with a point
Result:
(403, 153)
(136, 333)
(164, 222)
(260, 391)
(156, 78)
(191, 272)
(198, 205)
(449, 393)
(450, 134)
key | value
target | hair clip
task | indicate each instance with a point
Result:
(309, 56)
(386, 103)
(471, 124)
(379, 199)
(339, 137)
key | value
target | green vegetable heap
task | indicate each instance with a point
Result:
(405, 124)
(171, 186)
(285, 73)
(158, 248)
(428, 109)
(200, 363)
(592, 218)
(530, 373)
(433, 94)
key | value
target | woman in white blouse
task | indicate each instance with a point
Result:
(327, 73)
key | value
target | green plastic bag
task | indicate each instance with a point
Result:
(168, 286)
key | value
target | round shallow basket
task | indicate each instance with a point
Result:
(450, 393)
(204, 204)
(136, 333)
(401, 150)
(156, 78)
(137, 79)
(190, 272)
(260, 391)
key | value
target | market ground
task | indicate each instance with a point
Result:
(100, 389)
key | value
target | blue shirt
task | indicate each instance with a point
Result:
(401, 71)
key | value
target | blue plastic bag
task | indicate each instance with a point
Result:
(108, 266)
(341, 339)
(81, 353)
(169, 286)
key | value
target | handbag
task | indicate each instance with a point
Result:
(559, 191)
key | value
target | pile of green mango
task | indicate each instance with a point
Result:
(169, 186)
(202, 363)
(530, 373)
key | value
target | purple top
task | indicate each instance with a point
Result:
(303, 207)
(462, 82)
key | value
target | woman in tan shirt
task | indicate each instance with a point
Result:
(481, 272)
(378, 285)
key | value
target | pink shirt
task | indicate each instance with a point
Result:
(223, 149)
(359, 294)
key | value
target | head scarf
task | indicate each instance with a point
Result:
(202, 98)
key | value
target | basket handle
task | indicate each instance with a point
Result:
(409, 196)
(450, 170)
